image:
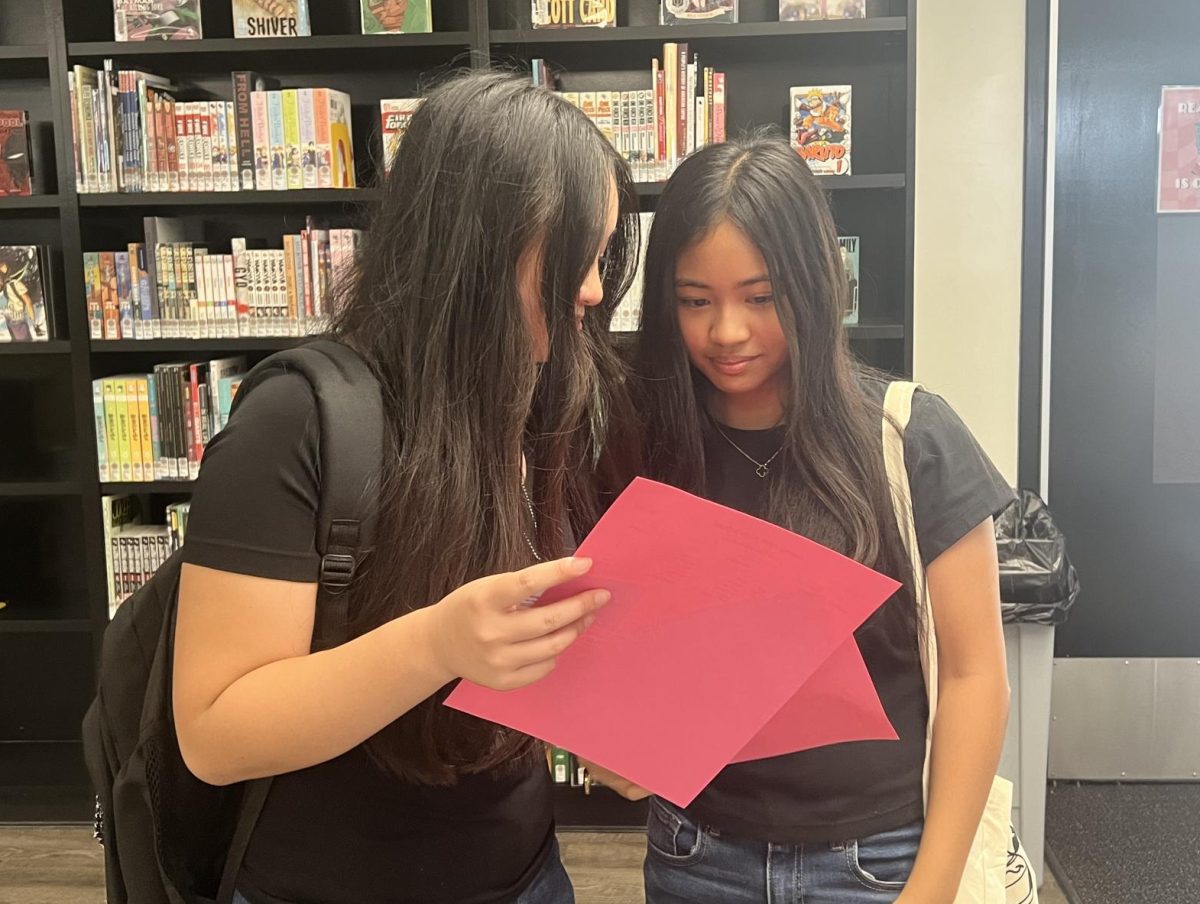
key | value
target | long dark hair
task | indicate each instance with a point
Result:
(489, 169)
(833, 488)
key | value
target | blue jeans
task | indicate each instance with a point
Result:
(550, 886)
(688, 863)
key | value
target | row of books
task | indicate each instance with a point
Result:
(603, 13)
(24, 314)
(182, 20)
(133, 551)
(173, 288)
(132, 134)
(683, 109)
(155, 426)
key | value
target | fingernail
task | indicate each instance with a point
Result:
(601, 597)
(579, 564)
(587, 622)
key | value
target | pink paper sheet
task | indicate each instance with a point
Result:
(837, 704)
(716, 621)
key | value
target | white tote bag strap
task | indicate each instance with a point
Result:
(897, 407)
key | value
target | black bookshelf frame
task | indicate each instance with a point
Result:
(41, 774)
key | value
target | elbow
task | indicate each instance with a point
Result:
(199, 759)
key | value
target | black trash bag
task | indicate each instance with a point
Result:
(1037, 580)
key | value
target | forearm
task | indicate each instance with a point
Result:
(298, 712)
(968, 735)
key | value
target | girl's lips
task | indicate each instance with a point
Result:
(732, 366)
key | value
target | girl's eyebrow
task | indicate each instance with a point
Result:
(696, 284)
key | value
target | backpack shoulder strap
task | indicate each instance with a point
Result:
(350, 456)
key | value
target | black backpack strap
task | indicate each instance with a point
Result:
(350, 455)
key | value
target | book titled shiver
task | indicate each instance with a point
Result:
(271, 19)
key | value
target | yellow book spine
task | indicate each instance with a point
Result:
(291, 138)
(135, 429)
(143, 401)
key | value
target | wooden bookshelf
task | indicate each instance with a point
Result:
(53, 630)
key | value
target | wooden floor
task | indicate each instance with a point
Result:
(64, 866)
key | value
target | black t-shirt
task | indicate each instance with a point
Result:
(344, 830)
(852, 790)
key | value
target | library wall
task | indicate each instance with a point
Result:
(970, 109)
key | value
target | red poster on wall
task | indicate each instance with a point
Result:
(1179, 150)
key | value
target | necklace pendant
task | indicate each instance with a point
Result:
(761, 470)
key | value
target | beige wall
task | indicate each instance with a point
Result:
(967, 269)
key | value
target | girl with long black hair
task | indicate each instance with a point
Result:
(750, 396)
(481, 304)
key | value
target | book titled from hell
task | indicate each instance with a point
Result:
(157, 20)
(574, 13)
(384, 17)
(16, 169)
(271, 19)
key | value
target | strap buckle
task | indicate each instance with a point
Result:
(337, 571)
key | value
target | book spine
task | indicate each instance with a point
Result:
(216, 146)
(142, 389)
(323, 137)
(121, 405)
(202, 325)
(291, 139)
(308, 138)
(124, 297)
(108, 295)
(718, 107)
(112, 430)
(179, 114)
(262, 140)
(101, 432)
(73, 92)
(243, 82)
(162, 143)
(156, 448)
(277, 140)
(231, 148)
(241, 286)
(171, 135)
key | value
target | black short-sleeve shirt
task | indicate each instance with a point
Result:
(344, 830)
(847, 791)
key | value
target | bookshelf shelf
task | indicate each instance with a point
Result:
(148, 486)
(741, 31)
(38, 488)
(247, 48)
(889, 181)
(307, 196)
(876, 331)
(30, 202)
(24, 52)
(195, 346)
(53, 347)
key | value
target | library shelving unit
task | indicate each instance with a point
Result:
(52, 579)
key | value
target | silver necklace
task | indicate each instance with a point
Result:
(533, 519)
(761, 468)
